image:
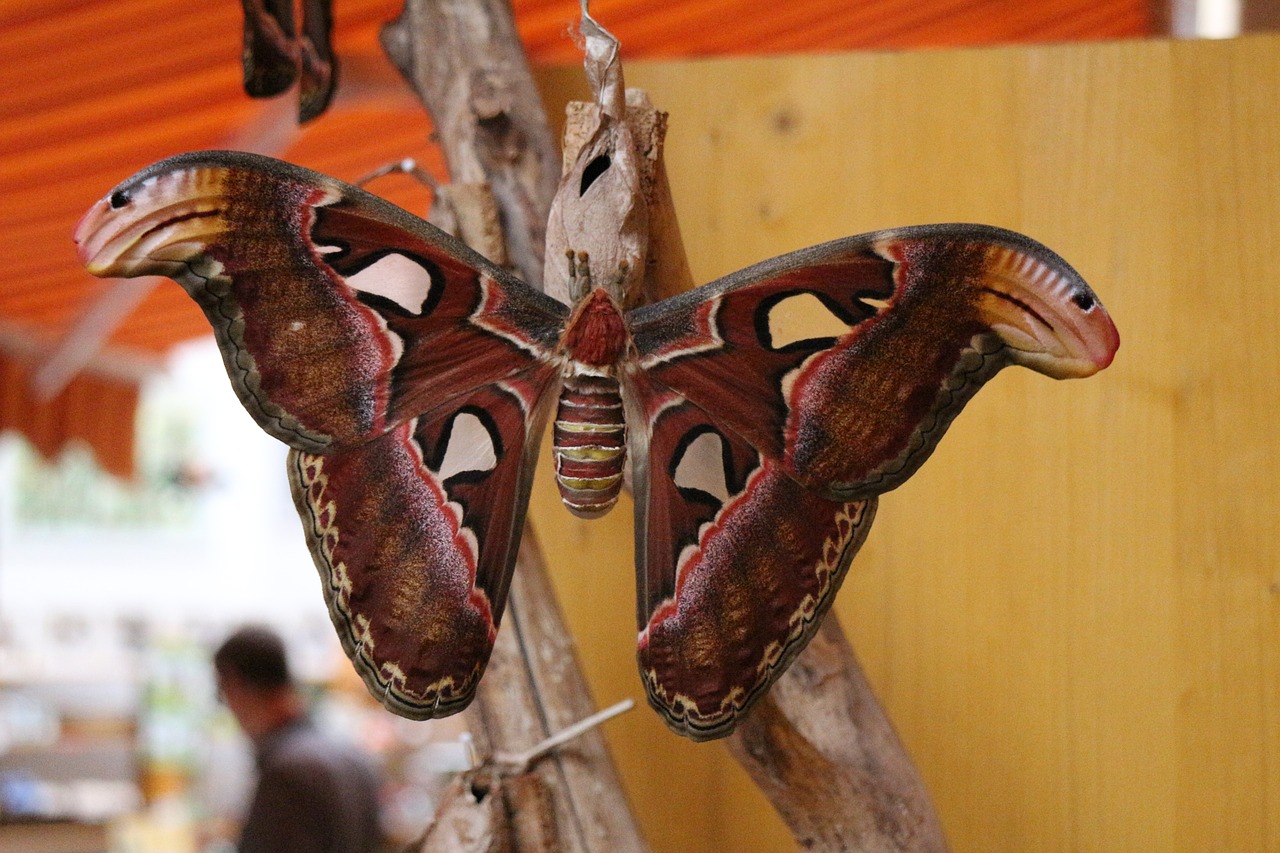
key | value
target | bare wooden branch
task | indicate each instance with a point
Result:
(534, 688)
(466, 63)
(488, 812)
(569, 799)
(821, 749)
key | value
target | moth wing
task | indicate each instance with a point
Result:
(339, 316)
(736, 562)
(415, 535)
(846, 362)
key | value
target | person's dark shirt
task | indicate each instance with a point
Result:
(313, 796)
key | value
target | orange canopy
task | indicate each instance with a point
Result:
(92, 90)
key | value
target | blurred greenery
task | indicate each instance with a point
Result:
(72, 491)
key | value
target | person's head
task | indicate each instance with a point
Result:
(254, 680)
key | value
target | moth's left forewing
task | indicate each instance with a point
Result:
(731, 346)
(908, 325)
(967, 301)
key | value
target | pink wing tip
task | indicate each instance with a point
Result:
(1107, 341)
(90, 237)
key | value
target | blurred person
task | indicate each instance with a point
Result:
(314, 794)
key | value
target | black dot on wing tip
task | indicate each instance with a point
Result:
(118, 199)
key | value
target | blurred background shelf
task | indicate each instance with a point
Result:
(55, 836)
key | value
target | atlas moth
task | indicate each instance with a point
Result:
(413, 379)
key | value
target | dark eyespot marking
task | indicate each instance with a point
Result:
(593, 170)
(1084, 300)
(119, 199)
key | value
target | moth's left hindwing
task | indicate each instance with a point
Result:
(736, 562)
(411, 377)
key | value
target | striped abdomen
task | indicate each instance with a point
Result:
(590, 444)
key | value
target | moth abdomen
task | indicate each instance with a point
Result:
(590, 444)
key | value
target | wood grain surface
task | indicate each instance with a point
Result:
(1072, 614)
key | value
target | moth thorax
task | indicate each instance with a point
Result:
(596, 334)
(590, 444)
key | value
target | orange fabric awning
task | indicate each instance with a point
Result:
(93, 409)
(92, 90)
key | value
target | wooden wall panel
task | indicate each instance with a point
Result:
(1072, 613)
(1227, 226)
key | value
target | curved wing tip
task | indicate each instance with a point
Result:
(384, 691)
